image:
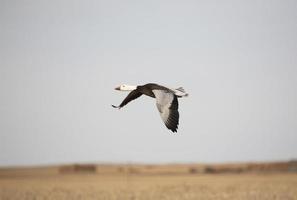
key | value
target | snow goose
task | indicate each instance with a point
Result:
(166, 100)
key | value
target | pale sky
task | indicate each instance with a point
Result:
(60, 61)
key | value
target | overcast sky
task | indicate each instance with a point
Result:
(60, 61)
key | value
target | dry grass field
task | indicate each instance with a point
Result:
(143, 187)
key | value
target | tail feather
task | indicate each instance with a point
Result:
(181, 89)
(180, 92)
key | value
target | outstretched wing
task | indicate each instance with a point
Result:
(167, 105)
(131, 96)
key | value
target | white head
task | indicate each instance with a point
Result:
(125, 87)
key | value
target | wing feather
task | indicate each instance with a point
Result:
(131, 96)
(167, 105)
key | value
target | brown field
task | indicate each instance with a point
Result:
(143, 182)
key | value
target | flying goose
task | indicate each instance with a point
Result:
(166, 100)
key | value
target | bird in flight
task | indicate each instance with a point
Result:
(166, 100)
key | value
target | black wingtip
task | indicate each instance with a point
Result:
(115, 106)
(174, 130)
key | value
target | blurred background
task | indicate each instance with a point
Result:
(60, 61)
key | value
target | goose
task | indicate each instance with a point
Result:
(166, 100)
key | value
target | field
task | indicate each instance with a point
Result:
(143, 182)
